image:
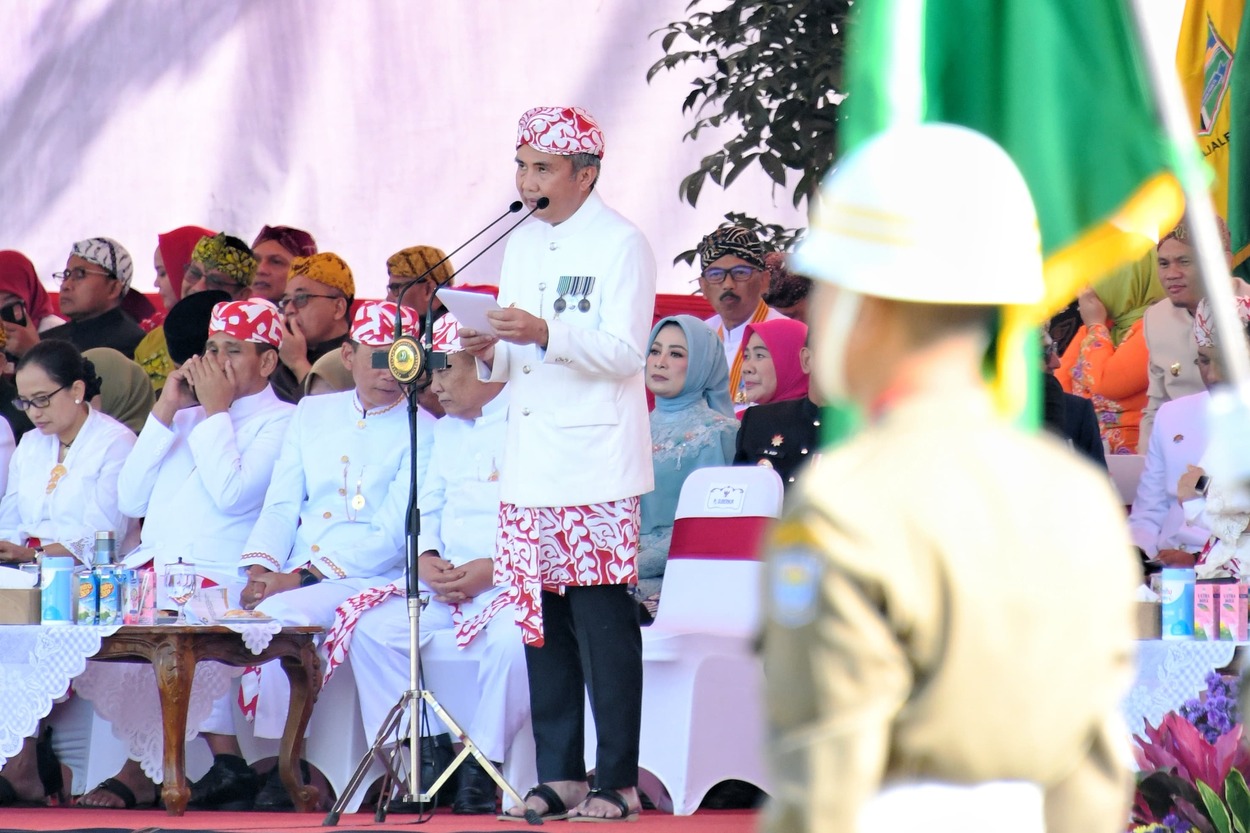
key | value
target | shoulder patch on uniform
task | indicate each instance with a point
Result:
(794, 586)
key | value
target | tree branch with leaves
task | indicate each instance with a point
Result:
(773, 71)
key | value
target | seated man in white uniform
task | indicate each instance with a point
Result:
(207, 451)
(459, 504)
(1161, 531)
(333, 520)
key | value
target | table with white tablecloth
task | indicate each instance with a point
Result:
(1170, 672)
(37, 663)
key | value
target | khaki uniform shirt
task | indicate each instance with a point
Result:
(1169, 332)
(948, 600)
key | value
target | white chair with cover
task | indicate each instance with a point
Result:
(702, 709)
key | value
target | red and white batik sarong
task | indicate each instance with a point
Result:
(553, 547)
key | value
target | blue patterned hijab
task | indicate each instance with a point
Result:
(707, 374)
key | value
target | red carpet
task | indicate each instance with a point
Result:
(156, 821)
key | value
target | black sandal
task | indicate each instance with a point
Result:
(117, 788)
(556, 811)
(48, 767)
(611, 797)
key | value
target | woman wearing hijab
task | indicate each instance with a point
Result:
(692, 427)
(25, 307)
(1107, 359)
(171, 259)
(772, 369)
(125, 391)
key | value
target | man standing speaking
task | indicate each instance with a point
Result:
(577, 292)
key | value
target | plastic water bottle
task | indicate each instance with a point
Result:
(1178, 603)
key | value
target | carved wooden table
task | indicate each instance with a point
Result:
(173, 651)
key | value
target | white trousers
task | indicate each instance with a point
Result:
(379, 658)
(303, 606)
(993, 807)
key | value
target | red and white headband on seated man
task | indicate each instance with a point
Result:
(373, 325)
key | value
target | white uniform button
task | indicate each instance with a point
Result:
(525, 369)
(525, 412)
(552, 246)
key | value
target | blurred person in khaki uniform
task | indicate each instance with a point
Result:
(939, 652)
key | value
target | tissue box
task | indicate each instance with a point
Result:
(1234, 611)
(19, 607)
(1148, 620)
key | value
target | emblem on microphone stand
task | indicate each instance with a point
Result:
(405, 360)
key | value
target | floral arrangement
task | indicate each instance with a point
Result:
(1193, 767)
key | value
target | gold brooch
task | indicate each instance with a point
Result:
(1176, 368)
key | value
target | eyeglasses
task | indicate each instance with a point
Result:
(193, 275)
(39, 400)
(1051, 349)
(300, 299)
(738, 273)
(396, 288)
(76, 275)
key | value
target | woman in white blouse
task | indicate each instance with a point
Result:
(62, 486)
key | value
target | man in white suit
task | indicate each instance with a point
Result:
(578, 290)
(1166, 523)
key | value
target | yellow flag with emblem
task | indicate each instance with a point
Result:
(1204, 62)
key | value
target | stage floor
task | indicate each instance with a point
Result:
(156, 821)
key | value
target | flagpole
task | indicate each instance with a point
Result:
(1230, 406)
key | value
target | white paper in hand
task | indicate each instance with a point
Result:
(470, 308)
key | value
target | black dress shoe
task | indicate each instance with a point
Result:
(230, 784)
(476, 794)
(436, 755)
(273, 797)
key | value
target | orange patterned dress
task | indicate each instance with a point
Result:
(1113, 377)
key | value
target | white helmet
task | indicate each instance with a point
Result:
(932, 213)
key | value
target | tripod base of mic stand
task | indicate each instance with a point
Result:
(414, 796)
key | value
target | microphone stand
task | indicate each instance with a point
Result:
(411, 362)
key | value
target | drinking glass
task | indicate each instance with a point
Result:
(181, 583)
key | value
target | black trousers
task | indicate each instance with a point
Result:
(592, 642)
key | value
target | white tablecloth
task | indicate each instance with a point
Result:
(1169, 672)
(37, 663)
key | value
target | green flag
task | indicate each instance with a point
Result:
(1061, 86)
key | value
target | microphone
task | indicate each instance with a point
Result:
(542, 203)
(438, 361)
(405, 359)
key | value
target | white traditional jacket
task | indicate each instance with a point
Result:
(577, 424)
(200, 483)
(72, 508)
(340, 491)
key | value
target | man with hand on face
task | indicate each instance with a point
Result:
(734, 278)
(208, 448)
(577, 289)
(459, 510)
(95, 281)
(317, 307)
(334, 517)
(275, 248)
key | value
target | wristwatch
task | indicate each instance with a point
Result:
(307, 578)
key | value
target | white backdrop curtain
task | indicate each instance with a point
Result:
(374, 124)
